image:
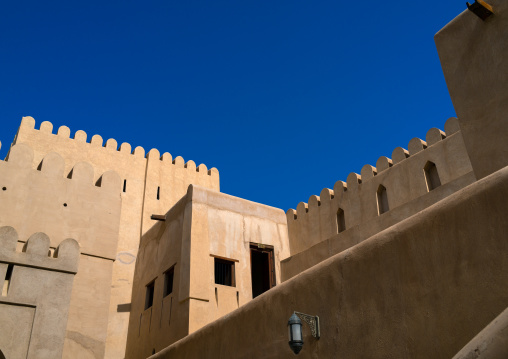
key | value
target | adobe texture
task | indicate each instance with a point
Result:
(407, 259)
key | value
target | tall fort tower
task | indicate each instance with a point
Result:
(108, 229)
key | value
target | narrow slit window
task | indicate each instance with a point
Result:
(431, 176)
(168, 281)
(150, 289)
(7, 282)
(224, 272)
(341, 221)
(382, 200)
(124, 185)
(158, 193)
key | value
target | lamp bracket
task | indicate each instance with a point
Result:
(312, 321)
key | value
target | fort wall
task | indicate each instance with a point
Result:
(202, 226)
(166, 320)
(161, 178)
(36, 285)
(419, 289)
(224, 227)
(44, 197)
(356, 202)
(167, 181)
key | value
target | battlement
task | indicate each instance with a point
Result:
(36, 285)
(166, 159)
(70, 203)
(52, 165)
(376, 190)
(27, 130)
(36, 252)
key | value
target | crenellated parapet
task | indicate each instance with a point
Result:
(148, 183)
(167, 160)
(37, 253)
(167, 181)
(45, 197)
(53, 166)
(392, 183)
(27, 130)
(80, 136)
(36, 285)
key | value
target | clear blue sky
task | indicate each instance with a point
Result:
(283, 97)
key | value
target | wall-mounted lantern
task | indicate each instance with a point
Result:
(295, 329)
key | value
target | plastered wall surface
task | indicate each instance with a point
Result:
(131, 167)
(344, 240)
(490, 343)
(167, 319)
(45, 198)
(224, 226)
(162, 179)
(403, 177)
(35, 297)
(473, 57)
(203, 224)
(417, 280)
(420, 289)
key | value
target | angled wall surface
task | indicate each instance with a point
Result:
(202, 226)
(473, 55)
(419, 289)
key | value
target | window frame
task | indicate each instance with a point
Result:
(432, 179)
(229, 263)
(171, 270)
(383, 205)
(341, 220)
(149, 298)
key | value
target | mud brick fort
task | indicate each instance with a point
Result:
(110, 252)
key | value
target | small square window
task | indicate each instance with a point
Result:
(168, 281)
(150, 288)
(224, 272)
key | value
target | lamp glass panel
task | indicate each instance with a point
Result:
(297, 332)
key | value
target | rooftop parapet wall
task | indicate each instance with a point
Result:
(167, 181)
(36, 294)
(403, 177)
(36, 253)
(46, 198)
(100, 153)
(102, 156)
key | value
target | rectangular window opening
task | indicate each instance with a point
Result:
(341, 221)
(224, 272)
(382, 200)
(150, 289)
(124, 185)
(158, 193)
(262, 267)
(168, 281)
(7, 282)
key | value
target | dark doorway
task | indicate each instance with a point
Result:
(262, 268)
